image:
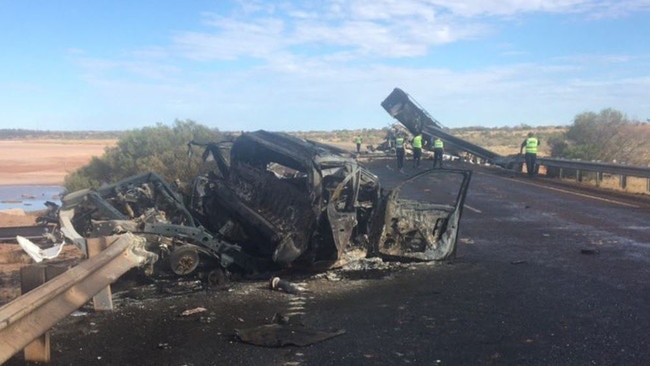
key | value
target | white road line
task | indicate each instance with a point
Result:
(472, 209)
(576, 193)
(294, 313)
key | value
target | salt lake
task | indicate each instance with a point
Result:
(29, 197)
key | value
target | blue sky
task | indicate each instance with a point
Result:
(319, 65)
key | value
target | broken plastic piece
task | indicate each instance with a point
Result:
(36, 252)
(193, 311)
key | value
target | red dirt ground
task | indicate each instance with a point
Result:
(35, 162)
(45, 162)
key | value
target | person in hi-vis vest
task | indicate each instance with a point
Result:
(417, 150)
(438, 150)
(358, 140)
(530, 143)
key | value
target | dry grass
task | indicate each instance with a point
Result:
(636, 185)
(508, 141)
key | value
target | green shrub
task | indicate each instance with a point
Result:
(160, 149)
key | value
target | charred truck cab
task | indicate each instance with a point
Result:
(285, 198)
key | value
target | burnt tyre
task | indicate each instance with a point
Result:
(184, 260)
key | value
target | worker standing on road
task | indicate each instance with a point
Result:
(399, 151)
(358, 140)
(438, 150)
(417, 150)
(530, 143)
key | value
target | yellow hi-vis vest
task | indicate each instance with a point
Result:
(531, 145)
(417, 141)
(399, 142)
(357, 139)
(438, 144)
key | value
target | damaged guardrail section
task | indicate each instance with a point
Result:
(34, 313)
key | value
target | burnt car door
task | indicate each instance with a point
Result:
(419, 218)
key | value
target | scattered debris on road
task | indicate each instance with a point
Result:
(282, 285)
(197, 310)
(283, 333)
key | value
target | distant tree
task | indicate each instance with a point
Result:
(605, 136)
(161, 149)
(12, 134)
(523, 126)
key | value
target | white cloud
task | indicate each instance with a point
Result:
(232, 39)
(600, 8)
(364, 29)
(271, 59)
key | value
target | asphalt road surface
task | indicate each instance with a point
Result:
(544, 275)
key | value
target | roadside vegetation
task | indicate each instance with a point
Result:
(160, 149)
(608, 136)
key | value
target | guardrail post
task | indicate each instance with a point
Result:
(103, 300)
(602, 171)
(34, 313)
(31, 277)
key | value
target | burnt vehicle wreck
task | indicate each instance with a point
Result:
(273, 201)
(284, 198)
(148, 206)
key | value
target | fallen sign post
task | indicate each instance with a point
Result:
(34, 313)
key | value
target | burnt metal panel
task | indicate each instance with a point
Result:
(420, 218)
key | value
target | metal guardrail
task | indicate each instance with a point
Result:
(29, 232)
(609, 168)
(34, 313)
(563, 168)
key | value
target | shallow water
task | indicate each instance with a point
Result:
(29, 198)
